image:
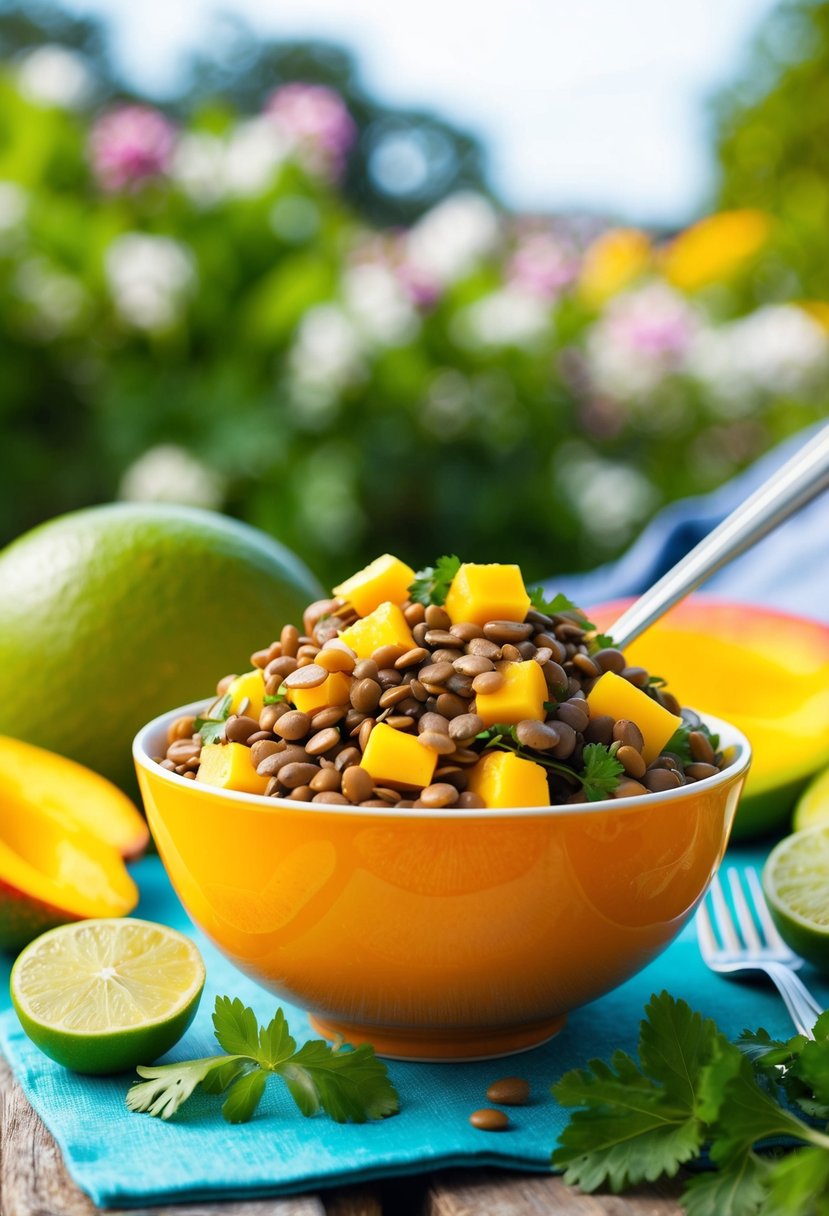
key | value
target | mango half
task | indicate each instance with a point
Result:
(765, 671)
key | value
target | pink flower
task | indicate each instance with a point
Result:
(542, 265)
(317, 121)
(131, 145)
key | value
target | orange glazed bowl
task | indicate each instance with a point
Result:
(439, 934)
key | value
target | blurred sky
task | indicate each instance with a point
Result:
(593, 104)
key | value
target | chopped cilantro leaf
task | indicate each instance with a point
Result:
(431, 585)
(211, 725)
(559, 605)
(601, 772)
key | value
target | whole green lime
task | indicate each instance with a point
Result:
(114, 614)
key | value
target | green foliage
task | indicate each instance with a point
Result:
(350, 1086)
(774, 144)
(636, 1121)
(341, 367)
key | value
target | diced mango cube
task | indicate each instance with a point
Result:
(504, 779)
(385, 626)
(398, 760)
(385, 579)
(229, 766)
(522, 695)
(252, 686)
(617, 697)
(487, 593)
(332, 691)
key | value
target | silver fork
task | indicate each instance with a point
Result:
(756, 947)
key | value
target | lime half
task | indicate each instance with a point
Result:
(100, 996)
(796, 885)
(813, 805)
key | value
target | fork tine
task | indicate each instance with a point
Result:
(705, 933)
(744, 918)
(722, 917)
(763, 915)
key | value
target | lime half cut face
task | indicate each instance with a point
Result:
(796, 886)
(100, 996)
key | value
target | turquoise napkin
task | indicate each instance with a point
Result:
(122, 1159)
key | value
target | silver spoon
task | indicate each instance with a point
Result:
(796, 483)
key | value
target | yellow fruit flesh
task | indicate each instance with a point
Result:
(481, 593)
(522, 696)
(617, 697)
(31, 776)
(398, 760)
(229, 766)
(333, 691)
(250, 687)
(502, 779)
(385, 626)
(385, 579)
(46, 859)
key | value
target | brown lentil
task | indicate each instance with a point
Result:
(297, 773)
(309, 676)
(325, 779)
(698, 771)
(331, 658)
(330, 798)
(632, 762)
(322, 741)
(488, 682)
(574, 713)
(292, 725)
(465, 726)
(637, 676)
(183, 749)
(280, 668)
(276, 761)
(470, 801)
(610, 659)
(365, 695)
(658, 780)
(628, 733)
(181, 728)
(628, 788)
(411, 658)
(489, 1120)
(600, 730)
(509, 1091)
(465, 631)
(261, 749)
(700, 747)
(439, 794)
(238, 729)
(357, 785)
(539, 735)
(438, 742)
(363, 733)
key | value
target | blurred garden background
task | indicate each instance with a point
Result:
(277, 296)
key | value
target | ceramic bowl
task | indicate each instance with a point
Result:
(439, 934)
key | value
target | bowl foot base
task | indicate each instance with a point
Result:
(411, 1043)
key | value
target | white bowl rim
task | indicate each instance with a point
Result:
(730, 737)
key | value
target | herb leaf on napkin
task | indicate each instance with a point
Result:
(349, 1085)
(691, 1088)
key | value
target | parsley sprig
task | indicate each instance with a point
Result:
(349, 1085)
(690, 1089)
(211, 724)
(431, 585)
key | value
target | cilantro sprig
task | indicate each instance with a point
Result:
(349, 1085)
(559, 605)
(690, 1090)
(679, 744)
(598, 777)
(431, 585)
(211, 724)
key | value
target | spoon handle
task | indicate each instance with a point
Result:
(797, 482)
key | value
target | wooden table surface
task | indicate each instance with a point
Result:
(34, 1182)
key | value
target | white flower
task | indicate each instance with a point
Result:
(642, 338)
(451, 238)
(198, 166)
(511, 316)
(53, 75)
(378, 305)
(253, 153)
(169, 473)
(325, 359)
(57, 299)
(774, 351)
(150, 278)
(610, 498)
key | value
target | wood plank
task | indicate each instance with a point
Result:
(506, 1193)
(34, 1181)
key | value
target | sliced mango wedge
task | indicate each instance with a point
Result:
(53, 871)
(33, 778)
